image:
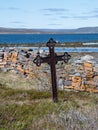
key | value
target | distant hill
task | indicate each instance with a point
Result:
(48, 31)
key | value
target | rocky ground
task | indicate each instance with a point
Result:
(26, 96)
(18, 64)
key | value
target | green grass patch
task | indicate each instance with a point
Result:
(24, 109)
(18, 94)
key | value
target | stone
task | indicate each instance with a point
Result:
(61, 83)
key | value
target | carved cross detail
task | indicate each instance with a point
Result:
(52, 59)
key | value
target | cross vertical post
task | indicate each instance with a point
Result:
(51, 45)
(52, 60)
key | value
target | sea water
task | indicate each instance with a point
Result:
(43, 38)
(61, 38)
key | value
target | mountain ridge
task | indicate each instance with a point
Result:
(4, 30)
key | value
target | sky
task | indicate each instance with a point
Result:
(48, 14)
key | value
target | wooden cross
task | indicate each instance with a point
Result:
(52, 60)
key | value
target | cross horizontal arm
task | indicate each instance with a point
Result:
(38, 60)
(64, 57)
(45, 59)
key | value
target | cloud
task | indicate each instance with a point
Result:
(81, 17)
(19, 9)
(91, 14)
(86, 17)
(65, 17)
(94, 11)
(96, 16)
(55, 9)
(16, 22)
(53, 24)
(66, 14)
(13, 8)
(47, 14)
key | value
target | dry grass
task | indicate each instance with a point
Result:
(17, 81)
(30, 109)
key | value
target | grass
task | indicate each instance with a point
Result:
(16, 94)
(31, 109)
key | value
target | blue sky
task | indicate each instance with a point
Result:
(51, 14)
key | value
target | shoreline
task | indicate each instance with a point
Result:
(58, 44)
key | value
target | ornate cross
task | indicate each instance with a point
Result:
(52, 60)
